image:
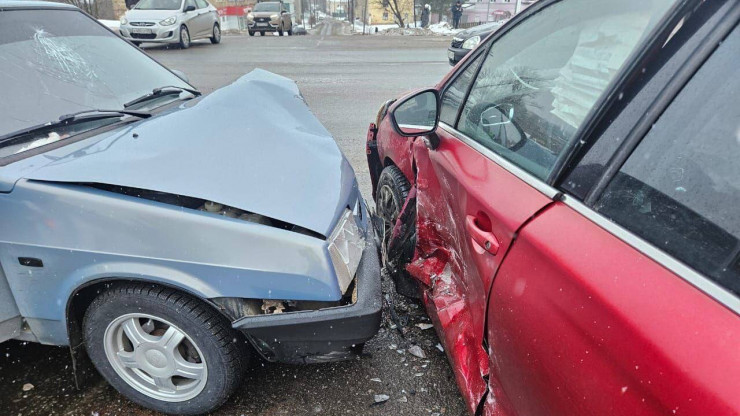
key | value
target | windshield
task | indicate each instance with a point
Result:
(56, 62)
(159, 5)
(267, 7)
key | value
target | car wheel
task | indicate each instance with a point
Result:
(184, 37)
(251, 33)
(280, 30)
(290, 32)
(164, 350)
(262, 33)
(216, 38)
(390, 195)
(136, 43)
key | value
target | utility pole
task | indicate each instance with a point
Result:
(364, 18)
(518, 7)
(488, 11)
(413, 6)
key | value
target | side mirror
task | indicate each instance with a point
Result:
(189, 8)
(417, 115)
(181, 75)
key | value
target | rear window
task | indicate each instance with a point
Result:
(267, 7)
(680, 189)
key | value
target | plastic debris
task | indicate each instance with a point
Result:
(423, 326)
(380, 398)
(377, 380)
(403, 399)
(440, 348)
(28, 387)
(416, 351)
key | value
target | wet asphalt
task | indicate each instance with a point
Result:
(344, 78)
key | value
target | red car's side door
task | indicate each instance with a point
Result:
(625, 300)
(505, 120)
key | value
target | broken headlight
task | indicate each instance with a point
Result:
(346, 244)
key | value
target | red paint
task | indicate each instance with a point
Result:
(580, 323)
(231, 11)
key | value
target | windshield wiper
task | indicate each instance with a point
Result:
(70, 119)
(159, 92)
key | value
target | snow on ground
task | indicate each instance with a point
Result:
(436, 29)
(112, 24)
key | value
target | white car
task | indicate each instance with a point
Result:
(171, 21)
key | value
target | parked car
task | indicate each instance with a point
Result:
(171, 21)
(269, 16)
(163, 232)
(565, 200)
(463, 42)
(299, 30)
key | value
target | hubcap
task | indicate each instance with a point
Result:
(388, 210)
(216, 33)
(185, 36)
(155, 357)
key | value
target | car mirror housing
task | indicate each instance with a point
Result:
(417, 114)
(189, 8)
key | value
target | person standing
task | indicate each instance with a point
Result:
(425, 15)
(456, 14)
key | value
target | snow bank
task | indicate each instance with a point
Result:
(437, 29)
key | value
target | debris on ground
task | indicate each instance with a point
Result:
(424, 326)
(380, 398)
(28, 387)
(416, 351)
(440, 348)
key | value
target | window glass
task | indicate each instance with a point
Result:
(680, 189)
(159, 4)
(455, 93)
(201, 4)
(540, 80)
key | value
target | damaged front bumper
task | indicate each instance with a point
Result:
(329, 334)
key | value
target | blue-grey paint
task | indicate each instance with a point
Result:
(266, 154)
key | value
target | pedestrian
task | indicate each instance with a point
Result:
(425, 15)
(456, 14)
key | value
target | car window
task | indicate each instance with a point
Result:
(455, 93)
(267, 7)
(189, 3)
(56, 62)
(541, 79)
(159, 4)
(202, 4)
(680, 188)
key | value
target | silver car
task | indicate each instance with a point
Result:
(171, 21)
(165, 233)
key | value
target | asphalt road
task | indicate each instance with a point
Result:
(344, 79)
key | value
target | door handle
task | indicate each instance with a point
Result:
(485, 239)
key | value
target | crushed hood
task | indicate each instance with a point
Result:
(253, 145)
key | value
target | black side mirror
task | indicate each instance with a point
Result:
(189, 8)
(417, 114)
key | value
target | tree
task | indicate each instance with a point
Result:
(397, 8)
(91, 7)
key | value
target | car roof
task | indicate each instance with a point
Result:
(28, 4)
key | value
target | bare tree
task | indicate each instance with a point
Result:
(397, 8)
(91, 7)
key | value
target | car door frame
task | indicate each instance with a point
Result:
(190, 19)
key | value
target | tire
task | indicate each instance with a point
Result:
(251, 33)
(137, 44)
(280, 30)
(262, 33)
(184, 37)
(205, 348)
(390, 195)
(290, 32)
(216, 38)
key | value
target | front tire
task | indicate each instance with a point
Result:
(163, 350)
(390, 195)
(184, 37)
(280, 30)
(137, 44)
(262, 33)
(290, 32)
(216, 37)
(251, 33)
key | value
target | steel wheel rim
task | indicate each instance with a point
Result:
(388, 211)
(185, 36)
(216, 33)
(147, 353)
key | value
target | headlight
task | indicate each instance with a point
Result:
(471, 42)
(124, 21)
(346, 244)
(456, 39)
(274, 17)
(169, 21)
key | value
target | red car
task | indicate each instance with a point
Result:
(566, 202)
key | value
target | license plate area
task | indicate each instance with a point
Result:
(262, 24)
(141, 31)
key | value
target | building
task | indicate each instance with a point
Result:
(491, 11)
(380, 12)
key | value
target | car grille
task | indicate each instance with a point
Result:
(142, 24)
(261, 19)
(143, 35)
(457, 43)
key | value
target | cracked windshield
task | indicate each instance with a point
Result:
(370, 207)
